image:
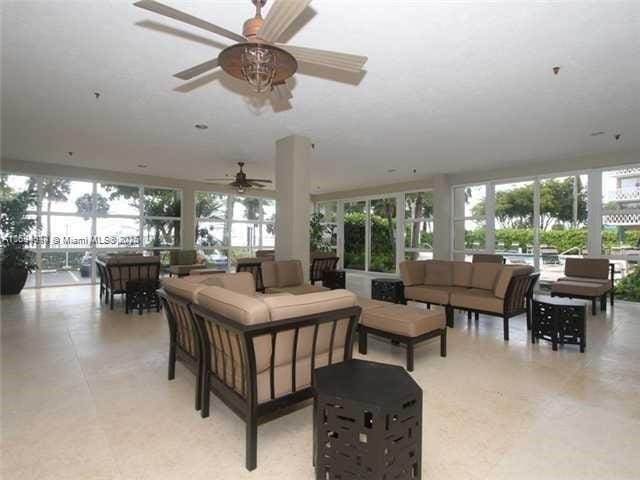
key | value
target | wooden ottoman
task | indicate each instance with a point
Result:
(402, 324)
(585, 290)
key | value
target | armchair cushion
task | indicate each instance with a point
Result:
(289, 306)
(462, 273)
(478, 299)
(412, 273)
(587, 267)
(485, 275)
(504, 278)
(289, 273)
(438, 272)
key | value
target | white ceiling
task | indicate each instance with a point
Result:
(450, 87)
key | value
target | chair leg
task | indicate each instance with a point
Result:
(172, 361)
(506, 328)
(469, 315)
(603, 303)
(111, 302)
(477, 316)
(449, 314)
(204, 388)
(593, 306)
(611, 294)
(410, 356)
(428, 306)
(443, 342)
(252, 443)
(199, 387)
(362, 341)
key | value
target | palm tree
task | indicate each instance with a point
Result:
(53, 190)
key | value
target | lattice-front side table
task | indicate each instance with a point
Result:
(367, 422)
(559, 320)
(387, 290)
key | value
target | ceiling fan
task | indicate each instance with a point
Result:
(256, 57)
(242, 183)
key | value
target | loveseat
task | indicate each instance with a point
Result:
(490, 288)
(255, 352)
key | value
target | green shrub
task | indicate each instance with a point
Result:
(629, 287)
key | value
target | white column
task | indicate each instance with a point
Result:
(594, 222)
(188, 224)
(293, 160)
(441, 218)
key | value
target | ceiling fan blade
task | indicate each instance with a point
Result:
(260, 180)
(281, 91)
(341, 61)
(189, 73)
(167, 11)
(280, 16)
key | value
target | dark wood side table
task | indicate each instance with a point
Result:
(367, 422)
(387, 290)
(141, 294)
(334, 279)
(559, 320)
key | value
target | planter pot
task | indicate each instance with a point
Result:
(12, 280)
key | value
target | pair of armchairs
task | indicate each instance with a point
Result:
(257, 353)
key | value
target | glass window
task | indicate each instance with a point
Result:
(268, 210)
(161, 202)
(10, 185)
(212, 206)
(118, 232)
(211, 234)
(383, 235)
(355, 217)
(268, 235)
(112, 199)
(469, 226)
(66, 268)
(246, 208)
(245, 235)
(66, 231)
(329, 211)
(62, 195)
(563, 223)
(514, 222)
(418, 205)
(161, 233)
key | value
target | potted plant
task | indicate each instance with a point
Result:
(317, 231)
(16, 262)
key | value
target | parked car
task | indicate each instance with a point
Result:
(85, 265)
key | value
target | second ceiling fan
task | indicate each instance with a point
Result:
(257, 58)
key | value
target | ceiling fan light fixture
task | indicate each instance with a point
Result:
(258, 67)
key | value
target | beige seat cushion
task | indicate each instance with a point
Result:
(298, 290)
(587, 267)
(586, 289)
(404, 320)
(431, 294)
(185, 269)
(600, 281)
(283, 307)
(477, 299)
(183, 288)
(485, 275)
(368, 304)
(412, 273)
(438, 273)
(281, 274)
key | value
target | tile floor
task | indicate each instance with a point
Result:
(85, 396)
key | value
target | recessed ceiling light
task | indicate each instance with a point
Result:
(391, 170)
(70, 154)
(556, 70)
(142, 165)
(97, 95)
(617, 136)
(201, 126)
(595, 134)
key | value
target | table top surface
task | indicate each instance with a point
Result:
(558, 301)
(387, 280)
(364, 381)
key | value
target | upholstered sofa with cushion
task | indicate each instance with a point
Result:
(489, 288)
(255, 352)
(286, 276)
(589, 270)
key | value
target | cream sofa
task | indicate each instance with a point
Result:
(255, 352)
(490, 288)
(286, 276)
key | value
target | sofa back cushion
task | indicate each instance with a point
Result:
(485, 275)
(185, 289)
(505, 276)
(487, 258)
(462, 273)
(235, 306)
(236, 282)
(438, 273)
(587, 267)
(282, 307)
(412, 273)
(183, 257)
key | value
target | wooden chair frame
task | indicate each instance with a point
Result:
(255, 268)
(109, 283)
(319, 266)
